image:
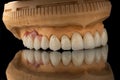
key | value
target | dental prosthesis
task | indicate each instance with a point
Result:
(58, 24)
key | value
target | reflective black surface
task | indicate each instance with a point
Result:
(9, 45)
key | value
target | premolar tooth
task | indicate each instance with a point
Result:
(55, 58)
(65, 43)
(104, 37)
(25, 54)
(105, 53)
(77, 57)
(30, 56)
(37, 56)
(89, 56)
(54, 43)
(66, 57)
(45, 57)
(98, 55)
(97, 39)
(44, 43)
(89, 42)
(77, 41)
(37, 42)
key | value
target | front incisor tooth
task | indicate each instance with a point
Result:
(89, 42)
(97, 40)
(66, 57)
(77, 58)
(37, 42)
(55, 58)
(37, 56)
(45, 57)
(44, 43)
(104, 37)
(89, 56)
(54, 43)
(65, 43)
(77, 41)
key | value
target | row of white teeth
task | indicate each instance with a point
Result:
(66, 57)
(77, 42)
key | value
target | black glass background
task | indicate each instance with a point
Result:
(9, 45)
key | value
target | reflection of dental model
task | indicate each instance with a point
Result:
(76, 65)
(55, 24)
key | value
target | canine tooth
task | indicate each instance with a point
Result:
(55, 58)
(89, 56)
(66, 57)
(30, 56)
(77, 41)
(54, 43)
(105, 53)
(104, 37)
(37, 42)
(97, 39)
(45, 57)
(77, 57)
(98, 54)
(89, 41)
(44, 43)
(37, 56)
(65, 43)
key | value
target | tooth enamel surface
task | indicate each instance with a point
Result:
(30, 56)
(104, 53)
(55, 58)
(65, 43)
(77, 57)
(45, 57)
(25, 54)
(66, 57)
(104, 37)
(97, 39)
(30, 42)
(44, 43)
(98, 55)
(37, 43)
(89, 42)
(24, 39)
(54, 43)
(37, 56)
(89, 56)
(77, 41)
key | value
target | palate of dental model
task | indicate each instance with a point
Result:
(37, 56)
(65, 43)
(44, 43)
(97, 39)
(54, 43)
(89, 56)
(45, 57)
(55, 58)
(77, 41)
(66, 58)
(37, 42)
(77, 58)
(88, 40)
(104, 37)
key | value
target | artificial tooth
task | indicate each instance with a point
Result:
(25, 54)
(89, 56)
(30, 56)
(45, 57)
(97, 39)
(37, 57)
(44, 43)
(24, 39)
(55, 58)
(65, 43)
(89, 42)
(37, 42)
(77, 41)
(104, 37)
(98, 55)
(30, 42)
(105, 53)
(54, 43)
(77, 57)
(66, 57)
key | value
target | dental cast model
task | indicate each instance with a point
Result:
(58, 24)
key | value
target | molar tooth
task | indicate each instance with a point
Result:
(89, 56)
(98, 55)
(105, 53)
(30, 56)
(55, 58)
(77, 57)
(97, 39)
(44, 43)
(104, 37)
(37, 42)
(89, 42)
(65, 43)
(54, 43)
(37, 56)
(66, 57)
(77, 41)
(45, 57)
